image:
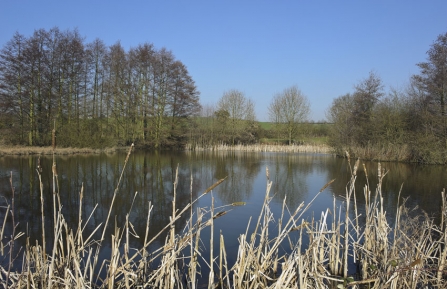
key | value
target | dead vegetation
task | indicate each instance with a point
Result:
(411, 253)
(302, 148)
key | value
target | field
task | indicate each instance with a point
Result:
(309, 133)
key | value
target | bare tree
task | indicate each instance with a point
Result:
(340, 115)
(240, 112)
(433, 77)
(288, 109)
(205, 127)
(429, 95)
(367, 94)
(13, 103)
(275, 114)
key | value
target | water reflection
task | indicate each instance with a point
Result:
(420, 185)
(298, 177)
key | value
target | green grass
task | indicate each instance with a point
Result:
(266, 125)
(317, 140)
(273, 141)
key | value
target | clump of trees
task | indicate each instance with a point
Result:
(236, 117)
(232, 121)
(408, 124)
(93, 94)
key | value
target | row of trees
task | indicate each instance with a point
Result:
(408, 124)
(95, 95)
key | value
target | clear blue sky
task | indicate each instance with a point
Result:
(257, 47)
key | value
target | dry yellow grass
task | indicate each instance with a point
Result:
(270, 148)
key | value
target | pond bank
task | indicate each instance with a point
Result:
(24, 150)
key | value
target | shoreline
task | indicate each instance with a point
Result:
(26, 151)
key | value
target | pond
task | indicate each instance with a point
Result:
(149, 176)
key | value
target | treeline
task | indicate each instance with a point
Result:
(409, 124)
(94, 95)
(102, 96)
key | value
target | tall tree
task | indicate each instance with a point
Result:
(205, 126)
(116, 89)
(163, 62)
(366, 95)
(13, 105)
(431, 85)
(433, 76)
(353, 114)
(288, 109)
(36, 62)
(142, 65)
(95, 54)
(340, 114)
(183, 101)
(95, 74)
(275, 113)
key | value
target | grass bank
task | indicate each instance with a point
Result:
(23, 150)
(410, 252)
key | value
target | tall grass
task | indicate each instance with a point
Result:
(286, 251)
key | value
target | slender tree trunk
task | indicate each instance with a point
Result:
(31, 119)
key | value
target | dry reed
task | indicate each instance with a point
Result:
(306, 148)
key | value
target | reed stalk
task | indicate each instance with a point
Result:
(443, 237)
(95, 260)
(11, 243)
(211, 246)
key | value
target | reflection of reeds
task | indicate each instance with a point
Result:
(297, 253)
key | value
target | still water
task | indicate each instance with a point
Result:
(149, 177)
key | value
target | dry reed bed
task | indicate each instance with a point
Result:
(411, 254)
(390, 152)
(269, 148)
